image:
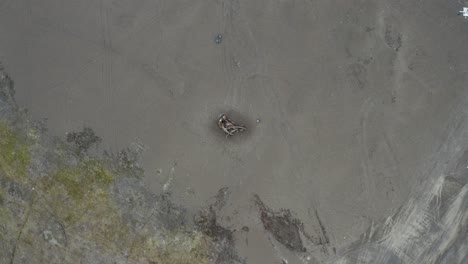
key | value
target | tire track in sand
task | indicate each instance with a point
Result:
(230, 9)
(106, 68)
(368, 180)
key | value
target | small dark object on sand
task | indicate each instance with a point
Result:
(218, 38)
(228, 126)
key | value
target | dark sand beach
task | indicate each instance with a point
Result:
(353, 109)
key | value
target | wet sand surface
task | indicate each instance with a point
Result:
(353, 98)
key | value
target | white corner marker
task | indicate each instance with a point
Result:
(464, 12)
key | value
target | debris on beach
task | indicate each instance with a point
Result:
(218, 38)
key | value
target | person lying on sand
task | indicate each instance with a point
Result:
(228, 126)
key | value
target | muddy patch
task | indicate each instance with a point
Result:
(291, 232)
(207, 222)
(393, 38)
(282, 226)
(358, 73)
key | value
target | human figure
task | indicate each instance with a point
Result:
(228, 126)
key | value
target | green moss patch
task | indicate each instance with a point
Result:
(78, 197)
(72, 192)
(181, 247)
(14, 155)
